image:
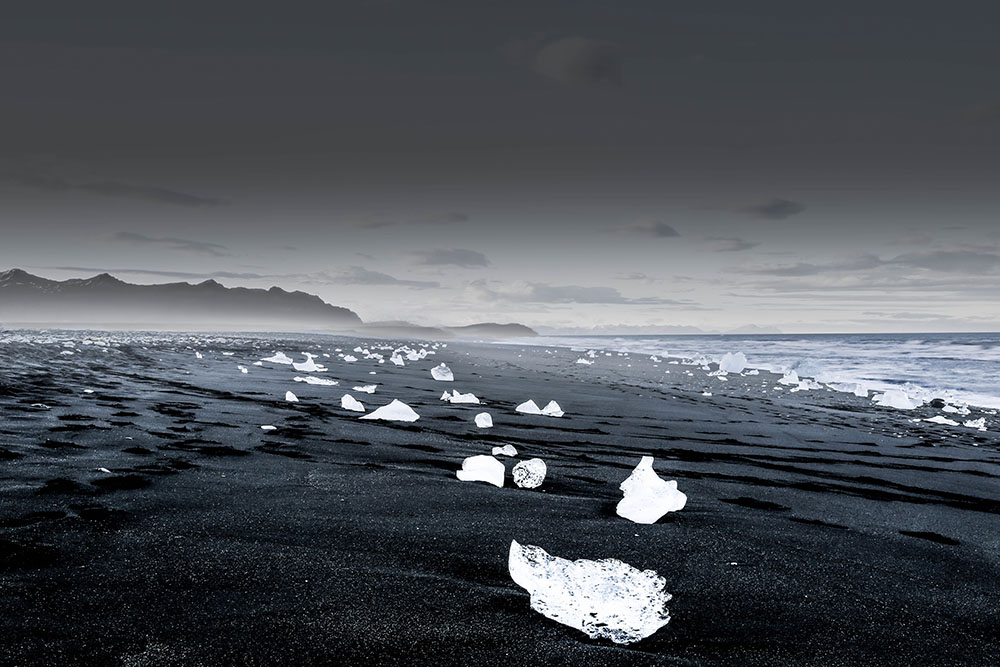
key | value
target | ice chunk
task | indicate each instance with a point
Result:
(605, 599)
(396, 359)
(279, 358)
(309, 379)
(529, 474)
(348, 402)
(791, 377)
(484, 420)
(197, 355)
(268, 427)
(243, 369)
(482, 468)
(896, 398)
(350, 358)
(291, 398)
(552, 409)
(647, 497)
(309, 365)
(464, 398)
(733, 363)
(442, 373)
(397, 411)
(944, 421)
(446, 396)
(367, 388)
(584, 362)
(506, 450)
(979, 424)
(529, 408)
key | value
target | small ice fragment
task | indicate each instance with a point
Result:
(706, 393)
(584, 362)
(976, 423)
(268, 427)
(104, 470)
(88, 391)
(396, 359)
(647, 497)
(944, 421)
(529, 474)
(309, 365)
(258, 363)
(290, 397)
(350, 358)
(529, 408)
(279, 358)
(482, 468)
(243, 369)
(733, 363)
(895, 398)
(552, 409)
(309, 379)
(605, 599)
(366, 388)
(199, 355)
(791, 377)
(464, 398)
(446, 396)
(348, 402)
(506, 450)
(442, 373)
(397, 411)
(484, 420)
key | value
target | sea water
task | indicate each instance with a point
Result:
(959, 367)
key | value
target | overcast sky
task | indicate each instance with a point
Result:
(810, 166)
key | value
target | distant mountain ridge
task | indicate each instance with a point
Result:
(107, 301)
(104, 301)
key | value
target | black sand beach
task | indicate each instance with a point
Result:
(819, 529)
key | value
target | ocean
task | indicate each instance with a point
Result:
(962, 368)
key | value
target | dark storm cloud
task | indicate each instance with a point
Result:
(574, 61)
(49, 183)
(775, 209)
(181, 245)
(467, 259)
(650, 228)
(531, 292)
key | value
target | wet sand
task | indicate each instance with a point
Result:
(819, 529)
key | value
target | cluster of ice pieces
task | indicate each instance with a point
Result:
(646, 496)
(605, 599)
(551, 409)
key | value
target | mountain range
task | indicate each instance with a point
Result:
(104, 301)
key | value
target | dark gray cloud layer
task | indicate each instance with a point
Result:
(106, 188)
(181, 245)
(775, 209)
(461, 257)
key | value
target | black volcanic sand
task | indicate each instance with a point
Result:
(818, 530)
